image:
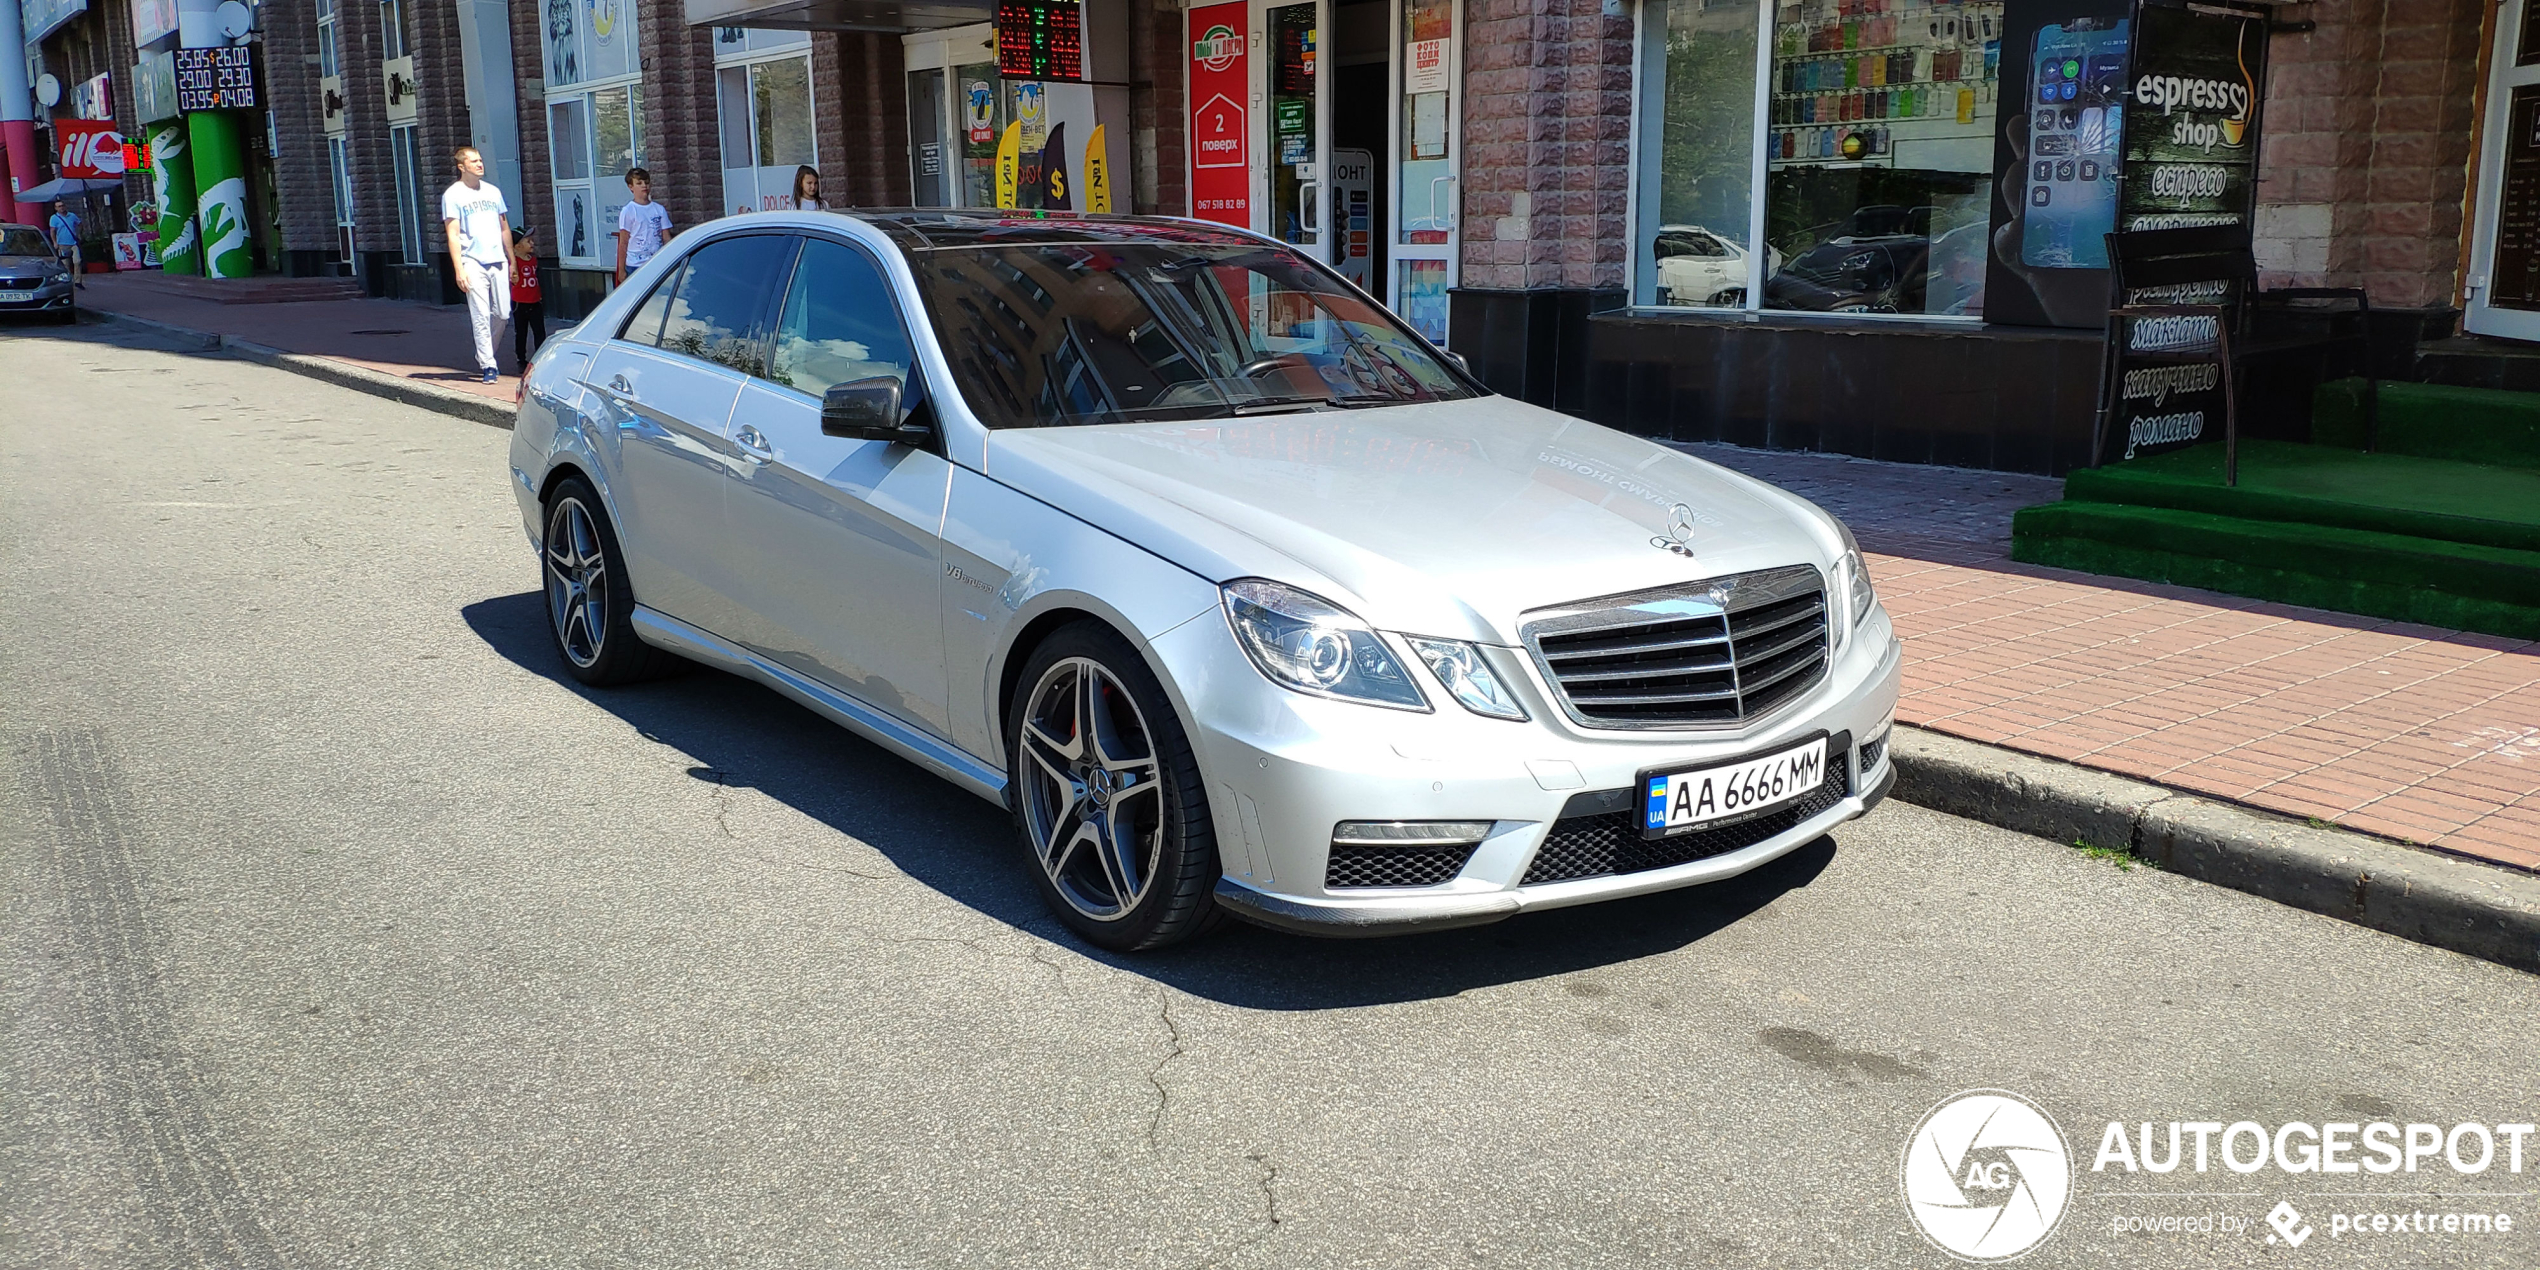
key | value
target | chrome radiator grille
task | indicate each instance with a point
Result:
(1702, 654)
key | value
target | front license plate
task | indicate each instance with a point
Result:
(1675, 802)
(16, 297)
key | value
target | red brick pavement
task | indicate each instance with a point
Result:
(2411, 732)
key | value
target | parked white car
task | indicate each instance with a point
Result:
(1698, 268)
(1238, 594)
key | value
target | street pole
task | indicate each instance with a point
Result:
(17, 114)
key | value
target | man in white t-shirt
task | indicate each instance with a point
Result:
(642, 224)
(480, 228)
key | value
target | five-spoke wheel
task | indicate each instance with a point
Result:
(590, 609)
(1107, 794)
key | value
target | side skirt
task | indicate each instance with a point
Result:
(921, 748)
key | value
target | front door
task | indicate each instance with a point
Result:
(839, 540)
(2504, 274)
(1293, 127)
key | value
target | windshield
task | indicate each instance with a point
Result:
(1055, 335)
(22, 242)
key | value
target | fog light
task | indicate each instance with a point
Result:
(1409, 833)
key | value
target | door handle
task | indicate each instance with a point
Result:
(620, 389)
(753, 443)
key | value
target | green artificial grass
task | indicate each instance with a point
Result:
(2325, 485)
(2434, 421)
(2464, 586)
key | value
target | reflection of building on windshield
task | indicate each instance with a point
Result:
(1092, 333)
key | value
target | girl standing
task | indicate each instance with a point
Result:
(807, 190)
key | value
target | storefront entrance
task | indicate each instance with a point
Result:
(1345, 142)
(2503, 291)
(959, 109)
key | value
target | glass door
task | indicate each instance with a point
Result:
(927, 118)
(956, 102)
(2504, 273)
(1426, 107)
(1294, 126)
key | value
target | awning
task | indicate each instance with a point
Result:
(66, 187)
(894, 16)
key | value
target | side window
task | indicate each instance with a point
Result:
(714, 316)
(645, 326)
(838, 322)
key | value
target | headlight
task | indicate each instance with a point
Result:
(1853, 578)
(1467, 677)
(1309, 644)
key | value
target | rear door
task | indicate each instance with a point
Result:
(839, 540)
(669, 380)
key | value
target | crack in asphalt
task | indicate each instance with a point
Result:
(722, 797)
(1270, 1211)
(1155, 1075)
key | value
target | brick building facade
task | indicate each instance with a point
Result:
(2365, 178)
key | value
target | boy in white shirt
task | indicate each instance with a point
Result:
(480, 228)
(642, 225)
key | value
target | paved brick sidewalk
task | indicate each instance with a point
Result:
(426, 342)
(2412, 732)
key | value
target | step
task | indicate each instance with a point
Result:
(2327, 485)
(2435, 421)
(2463, 586)
(258, 290)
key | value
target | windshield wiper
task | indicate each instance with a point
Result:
(1276, 405)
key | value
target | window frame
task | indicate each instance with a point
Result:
(405, 162)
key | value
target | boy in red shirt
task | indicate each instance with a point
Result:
(529, 309)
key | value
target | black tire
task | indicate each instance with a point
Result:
(594, 635)
(1178, 898)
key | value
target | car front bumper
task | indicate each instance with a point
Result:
(50, 297)
(1284, 769)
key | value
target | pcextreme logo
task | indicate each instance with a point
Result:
(1987, 1175)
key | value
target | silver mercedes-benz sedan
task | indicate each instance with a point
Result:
(1237, 593)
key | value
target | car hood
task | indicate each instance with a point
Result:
(1443, 518)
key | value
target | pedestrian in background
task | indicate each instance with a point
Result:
(807, 190)
(65, 228)
(529, 306)
(642, 225)
(479, 226)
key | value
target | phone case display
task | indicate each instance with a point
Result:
(1852, 78)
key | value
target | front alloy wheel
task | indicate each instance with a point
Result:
(590, 610)
(1107, 795)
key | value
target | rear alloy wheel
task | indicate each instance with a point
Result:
(1107, 795)
(590, 609)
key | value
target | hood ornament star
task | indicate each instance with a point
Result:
(1679, 535)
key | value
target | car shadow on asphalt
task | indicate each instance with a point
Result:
(745, 736)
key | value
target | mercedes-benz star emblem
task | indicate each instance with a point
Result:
(1679, 535)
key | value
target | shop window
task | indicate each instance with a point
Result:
(340, 178)
(763, 108)
(409, 170)
(1880, 155)
(595, 130)
(1876, 154)
(1698, 211)
(983, 120)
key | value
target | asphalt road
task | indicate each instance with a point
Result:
(341, 931)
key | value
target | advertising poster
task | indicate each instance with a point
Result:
(1221, 169)
(152, 21)
(2191, 156)
(2058, 161)
(2191, 134)
(88, 149)
(128, 252)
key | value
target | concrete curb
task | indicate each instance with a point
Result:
(2479, 910)
(465, 405)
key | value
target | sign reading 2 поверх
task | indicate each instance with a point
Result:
(216, 78)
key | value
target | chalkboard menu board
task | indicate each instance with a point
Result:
(2191, 127)
(2513, 281)
(216, 78)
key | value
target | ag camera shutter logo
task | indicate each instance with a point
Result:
(1987, 1175)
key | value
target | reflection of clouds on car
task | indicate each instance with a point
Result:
(813, 365)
